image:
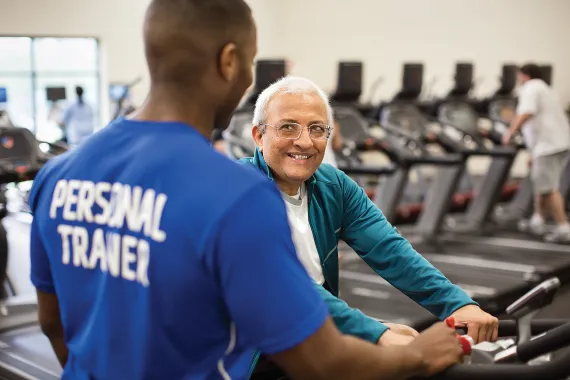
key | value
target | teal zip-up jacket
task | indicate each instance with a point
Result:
(340, 209)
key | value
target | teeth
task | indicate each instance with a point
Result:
(299, 157)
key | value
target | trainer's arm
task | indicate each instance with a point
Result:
(274, 305)
(48, 305)
(367, 231)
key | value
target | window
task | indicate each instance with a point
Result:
(30, 65)
(16, 55)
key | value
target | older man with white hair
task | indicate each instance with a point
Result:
(292, 124)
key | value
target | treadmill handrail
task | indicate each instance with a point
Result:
(495, 151)
(370, 170)
(444, 160)
(391, 128)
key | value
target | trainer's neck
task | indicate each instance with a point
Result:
(162, 105)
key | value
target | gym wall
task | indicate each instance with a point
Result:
(384, 33)
(315, 34)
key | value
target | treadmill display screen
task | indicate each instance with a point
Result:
(509, 78)
(14, 144)
(3, 95)
(463, 77)
(546, 73)
(268, 72)
(413, 78)
(350, 78)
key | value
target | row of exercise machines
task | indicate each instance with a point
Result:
(26, 354)
(481, 250)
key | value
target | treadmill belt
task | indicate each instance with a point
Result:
(519, 258)
(27, 354)
(382, 302)
(478, 284)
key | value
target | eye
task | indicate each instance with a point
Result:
(287, 127)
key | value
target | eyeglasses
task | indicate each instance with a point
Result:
(292, 131)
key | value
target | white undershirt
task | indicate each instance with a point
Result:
(298, 214)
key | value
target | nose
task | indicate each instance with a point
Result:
(304, 141)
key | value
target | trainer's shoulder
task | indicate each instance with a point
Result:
(50, 171)
(238, 175)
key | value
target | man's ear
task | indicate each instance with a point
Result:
(257, 136)
(229, 62)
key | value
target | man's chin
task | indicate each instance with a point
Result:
(300, 177)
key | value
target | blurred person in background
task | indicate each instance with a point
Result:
(78, 120)
(546, 132)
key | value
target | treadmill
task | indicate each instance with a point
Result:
(403, 142)
(476, 228)
(458, 132)
(25, 353)
(493, 286)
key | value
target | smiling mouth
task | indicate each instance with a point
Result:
(300, 157)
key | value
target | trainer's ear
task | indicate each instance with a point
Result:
(229, 62)
(257, 134)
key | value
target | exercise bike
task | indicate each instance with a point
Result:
(526, 349)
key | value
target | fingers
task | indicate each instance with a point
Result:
(473, 331)
(414, 332)
(402, 329)
(483, 333)
(495, 329)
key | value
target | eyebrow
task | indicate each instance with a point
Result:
(296, 122)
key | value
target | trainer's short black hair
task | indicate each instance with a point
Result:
(182, 37)
(531, 70)
(79, 90)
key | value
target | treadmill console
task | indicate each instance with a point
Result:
(353, 126)
(461, 124)
(535, 299)
(501, 113)
(238, 135)
(404, 119)
(20, 156)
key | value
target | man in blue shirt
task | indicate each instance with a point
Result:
(144, 261)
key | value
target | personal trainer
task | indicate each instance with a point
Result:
(292, 122)
(546, 132)
(145, 262)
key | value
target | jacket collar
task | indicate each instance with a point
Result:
(260, 163)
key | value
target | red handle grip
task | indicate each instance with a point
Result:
(464, 341)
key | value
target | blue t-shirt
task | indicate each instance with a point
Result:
(169, 260)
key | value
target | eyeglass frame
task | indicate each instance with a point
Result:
(328, 130)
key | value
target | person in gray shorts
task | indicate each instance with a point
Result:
(546, 132)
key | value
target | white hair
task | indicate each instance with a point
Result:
(289, 85)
